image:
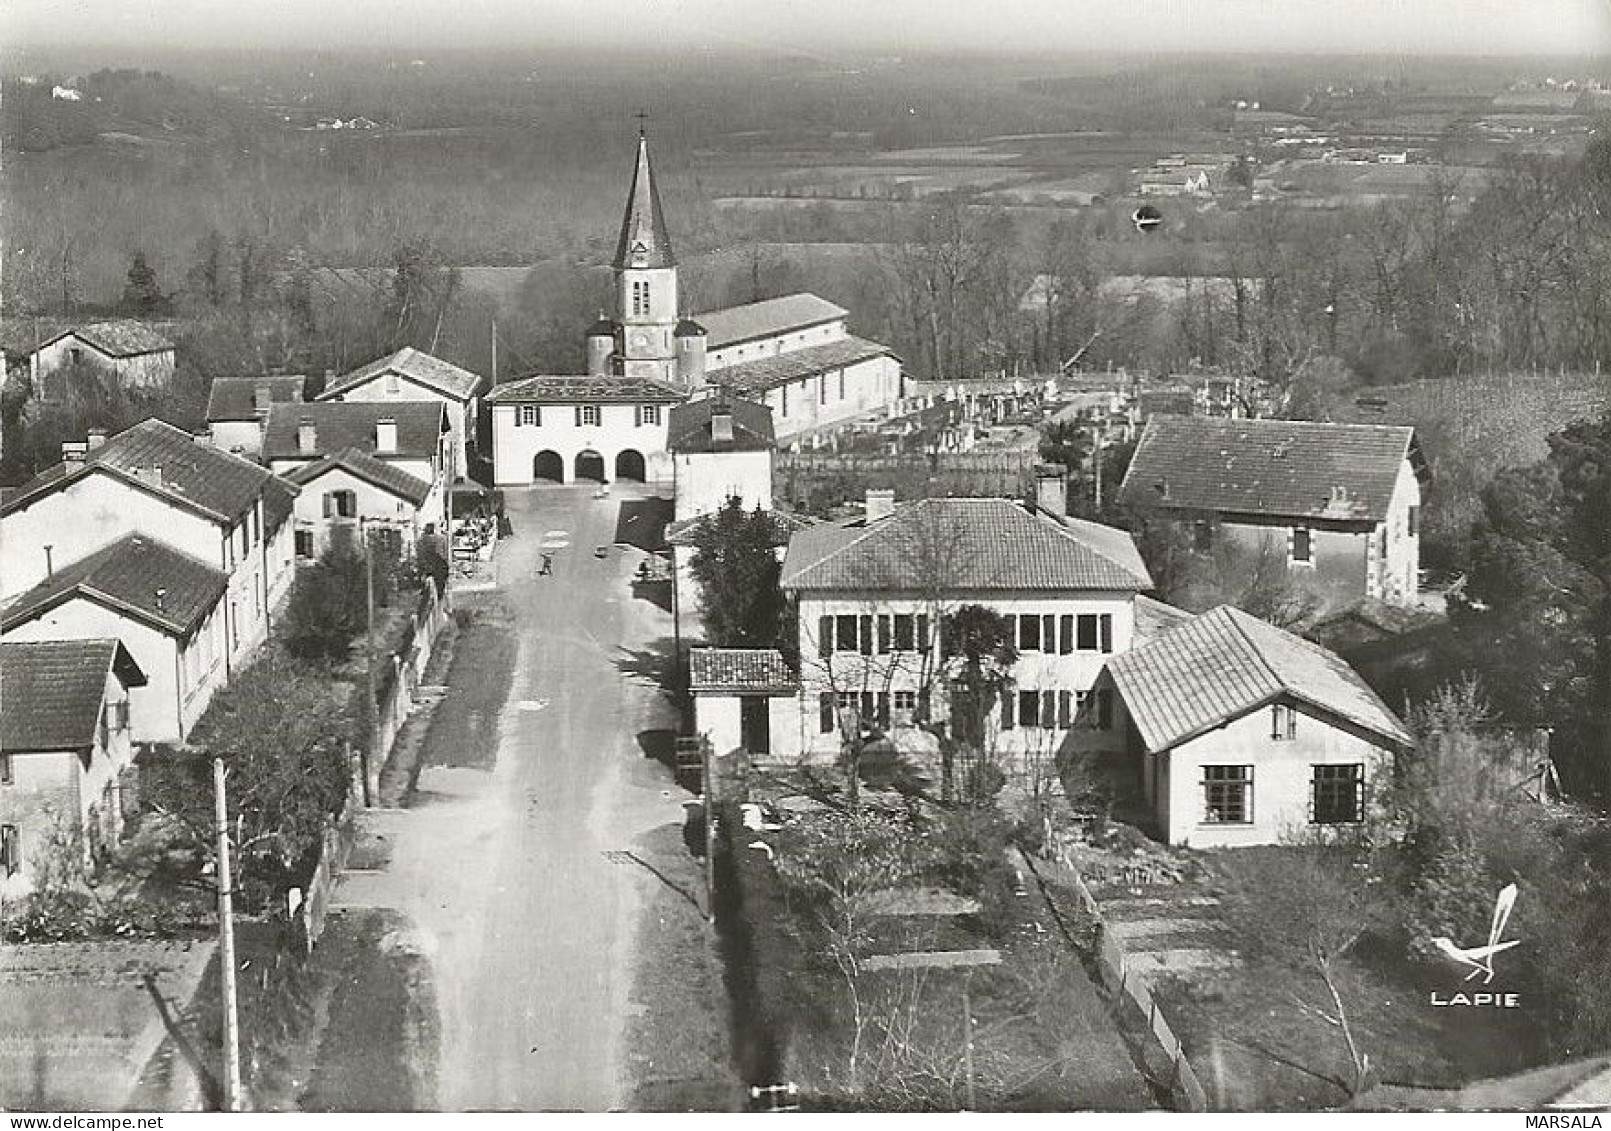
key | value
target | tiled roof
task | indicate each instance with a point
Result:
(220, 485)
(369, 469)
(739, 669)
(53, 691)
(1282, 468)
(960, 545)
(279, 500)
(235, 398)
(645, 240)
(784, 527)
(120, 338)
(432, 372)
(126, 576)
(339, 425)
(1154, 618)
(558, 389)
(688, 426)
(766, 319)
(750, 378)
(1225, 663)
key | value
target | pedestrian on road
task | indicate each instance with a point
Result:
(548, 566)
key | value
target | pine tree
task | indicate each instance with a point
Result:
(141, 294)
(736, 566)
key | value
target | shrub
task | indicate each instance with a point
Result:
(328, 607)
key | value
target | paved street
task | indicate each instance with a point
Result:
(508, 874)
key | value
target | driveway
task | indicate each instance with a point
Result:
(515, 878)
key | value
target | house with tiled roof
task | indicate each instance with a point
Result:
(134, 353)
(159, 482)
(733, 689)
(339, 492)
(172, 611)
(412, 438)
(1339, 504)
(237, 408)
(565, 428)
(873, 591)
(1240, 733)
(413, 375)
(65, 749)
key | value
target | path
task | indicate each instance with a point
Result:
(509, 875)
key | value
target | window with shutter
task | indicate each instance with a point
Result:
(1065, 640)
(922, 632)
(1007, 704)
(866, 627)
(1065, 709)
(1086, 637)
(825, 712)
(1029, 709)
(1028, 633)
(883, 709)
(903, 632)
(884, 634)
(1105, 624)
(844, 633)
(824, 635)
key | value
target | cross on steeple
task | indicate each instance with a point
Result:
(642, 117)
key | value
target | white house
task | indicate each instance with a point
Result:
(410, 437)
(1238, 733)
(136, 355)
(1340, 504)
(350, 489)
(170, 610)
(65, 752)
(721, 448)
(412, 375)
(874, 590)
(734, 690)
(237, 408)
(561, 429)
(159, 482)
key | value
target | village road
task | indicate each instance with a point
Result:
(516, 879)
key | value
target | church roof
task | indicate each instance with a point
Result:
(754, 378)
(645, 240)
(768, 318)
(566, 389)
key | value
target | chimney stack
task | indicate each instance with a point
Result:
(721, 427)
(74, 451)
(1051, 489)
(96, 437)
(262, 395)
(307, 438)
(880, 503)
(386, 436)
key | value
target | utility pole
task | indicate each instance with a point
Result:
(226, 945)
(372, 709)
(967, 1039)
(494, 351)
(706, 752)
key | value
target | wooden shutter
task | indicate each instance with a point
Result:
(922, 632)
(1007, 704)
(824, 635)
(866, 635)
(1105, 623)
(825, 712)
(1065, 642)
(578, 416)
(637, 416)
(884, 633)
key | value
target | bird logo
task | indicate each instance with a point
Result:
(1481, 958)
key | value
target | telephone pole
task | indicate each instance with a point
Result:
(707, 753)
(371, 709)
(226, 945)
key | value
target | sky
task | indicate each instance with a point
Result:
(1411, 27)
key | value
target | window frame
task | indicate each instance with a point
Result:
(1321, 782)
(1029, 632)
(1283, 722)
(1307, 537)
(590, 416)
(1225, 779)
(10, 849)
(648, 414)
(528, 416)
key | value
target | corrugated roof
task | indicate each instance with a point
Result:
(963, 544)
(645, 240)
(218, 484)
(235, 398)
(367, 468)
(766, 319)
(339, 425)
(442, 376)
(688, 426)
(126, 576)
(751, 378)
(578, 389)
(1282, 468)
(52, 691)
(1219, 666)
(739, 669)
(122, 337)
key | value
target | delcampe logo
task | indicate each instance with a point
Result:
(1479, 960)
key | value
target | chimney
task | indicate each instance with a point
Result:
(205, 439)
(161, 596)
(721, 427)
(385, 436)
(96, 437)
(261, 398)
(74, 451)
(151, 474)
(880, 503)
(1051, 489)
(307, 438)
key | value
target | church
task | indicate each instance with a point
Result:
(795, 354)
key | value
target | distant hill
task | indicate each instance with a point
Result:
(40, 113)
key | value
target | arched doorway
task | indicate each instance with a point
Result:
(629, 465)
(590, 465)
(548, 465)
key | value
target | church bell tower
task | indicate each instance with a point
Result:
(646, 281)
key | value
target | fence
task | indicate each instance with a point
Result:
(308, 909)
(1138, 1012)
(823, 479)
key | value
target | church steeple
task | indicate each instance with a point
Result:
(645, 241)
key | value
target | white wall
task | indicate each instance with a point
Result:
(515, 446)
(1401, 580)
(771, 347)
(717, 717)
(79, 519)
(180, 684)
(146, 371)
(243, 436)
(372, 503)
(869, 387)
(1282, 776)
(706, 480)
(460, 414)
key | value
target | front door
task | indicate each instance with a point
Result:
(754, 724)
